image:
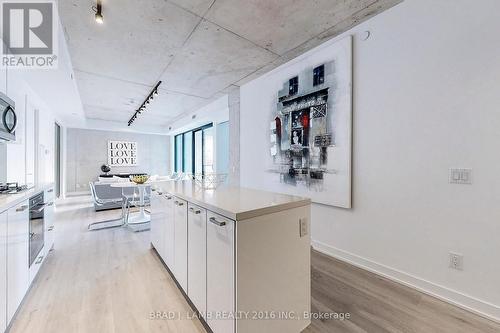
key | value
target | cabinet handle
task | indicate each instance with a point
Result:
(218, 223)
(50, 228)
(32, 234)
(50, 191)
(168, 197)
(179, 203)
(50, 204)
(192, 210)
(160, 193)
(22, 208)
(39, 260)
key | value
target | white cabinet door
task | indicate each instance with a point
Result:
(197, 257)
(180, 242)
(17, 256)
(157, 222)
(49, 219)
(169, 233)
(220, 272)
(3, 271)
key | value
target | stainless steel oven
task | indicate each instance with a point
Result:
(37, 226)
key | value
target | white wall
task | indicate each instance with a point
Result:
(27, 101)
(425, 100)
(87, 150)
(55, 95)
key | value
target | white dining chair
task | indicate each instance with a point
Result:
(133, 199)
(101, 202)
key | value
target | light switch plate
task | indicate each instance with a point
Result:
(304, 227)
(460, 176)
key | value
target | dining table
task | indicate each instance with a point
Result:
(141, 216)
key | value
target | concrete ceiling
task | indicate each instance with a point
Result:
(198, 48)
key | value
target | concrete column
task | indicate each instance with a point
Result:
(234, 136)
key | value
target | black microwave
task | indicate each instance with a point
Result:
(8, 118)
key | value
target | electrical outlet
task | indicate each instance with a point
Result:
(460, 176)
(456, 261)
(304, 227)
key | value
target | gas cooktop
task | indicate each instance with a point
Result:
(12, 188)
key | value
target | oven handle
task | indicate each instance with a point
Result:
(39, 208)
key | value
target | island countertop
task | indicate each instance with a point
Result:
(236, 203)
(10, 200)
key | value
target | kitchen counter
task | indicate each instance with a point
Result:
(9, 200)
(236, 203)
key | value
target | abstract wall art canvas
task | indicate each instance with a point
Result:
(310, 130)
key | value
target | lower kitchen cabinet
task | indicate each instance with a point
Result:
(162, 226)
(241, 256)
(180, 242)
(17, 256)
(197, 257)
(220, 272)
(157, 222)
(3, 271)
(49, 219)
(169, 231)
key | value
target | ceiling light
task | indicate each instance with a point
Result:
(98, 13)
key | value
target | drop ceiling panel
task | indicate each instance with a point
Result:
(212, 59)
(281, 25)
(135, 42)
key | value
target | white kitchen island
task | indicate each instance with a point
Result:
(240, 256)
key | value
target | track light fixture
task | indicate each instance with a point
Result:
(146, 102)
(98, 12)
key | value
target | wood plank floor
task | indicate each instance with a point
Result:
(102, 281)
(111, 281)
(378, 305)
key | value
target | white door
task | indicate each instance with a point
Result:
(156, 232)
(220, 272)
(17, 256)
(49, 219)
(169, 231)
(3, 271)
(197, 257)
(180, 243)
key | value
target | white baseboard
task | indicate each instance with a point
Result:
(469, 303)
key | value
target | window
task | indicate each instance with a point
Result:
(193, 151)
(293, 86)
(319, 75)
(178, 153)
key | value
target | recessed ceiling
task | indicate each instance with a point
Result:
(198, 48)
